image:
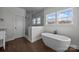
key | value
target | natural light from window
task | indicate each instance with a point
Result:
(60, 17)
(34, 21)
(51, 18)
(64, 17)
(38, 20)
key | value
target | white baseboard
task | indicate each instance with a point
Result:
(31, 40)
(10, 39)
(28, 39)
(36, 39)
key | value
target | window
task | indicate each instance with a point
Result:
(36, 21)
(60, 17)
(64, 17)
(51, 18)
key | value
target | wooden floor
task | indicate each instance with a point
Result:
(23, 45)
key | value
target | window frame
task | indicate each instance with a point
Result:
(36, 20)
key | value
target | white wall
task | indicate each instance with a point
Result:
(67, 30)
(9, 15)
(35, 33)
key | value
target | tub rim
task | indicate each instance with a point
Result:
(67, 38)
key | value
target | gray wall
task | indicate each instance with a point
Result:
(70, 30)
(39, 14)
(30, 16)
(28, 21)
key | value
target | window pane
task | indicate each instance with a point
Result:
(34, 21)
(65, 16)
(38, 20)
(51, 18)
(67, 13)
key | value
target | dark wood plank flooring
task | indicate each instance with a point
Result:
(23, 45)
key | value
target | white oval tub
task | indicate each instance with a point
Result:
(56, 42)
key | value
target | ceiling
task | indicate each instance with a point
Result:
(33, 9)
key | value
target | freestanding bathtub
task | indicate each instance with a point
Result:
(57, 42)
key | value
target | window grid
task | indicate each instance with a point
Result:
(36, 21)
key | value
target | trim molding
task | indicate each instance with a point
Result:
(36, 39)
(31, 40)
(28, 39)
